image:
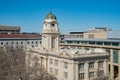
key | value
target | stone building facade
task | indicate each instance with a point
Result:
(66, 63)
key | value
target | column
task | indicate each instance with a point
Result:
(111, 65)
(47, 64)
(86, 71)
(106, 70)
(76, 71)
(96, 69)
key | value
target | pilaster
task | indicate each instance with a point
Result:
(111, 65)
(86, 71)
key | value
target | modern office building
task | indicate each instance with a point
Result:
(67, 63)
(9, 29)
(110, 42)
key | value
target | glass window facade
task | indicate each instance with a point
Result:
(69, 42)
(115, 56)
(99, 43)
(115, 44)
(107, 43)
(91, 42)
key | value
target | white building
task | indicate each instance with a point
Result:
(66, 63)
(19, 40)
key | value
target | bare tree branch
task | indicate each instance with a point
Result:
(13, 66)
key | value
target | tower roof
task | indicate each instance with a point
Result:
(50, 16)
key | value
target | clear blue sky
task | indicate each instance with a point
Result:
(72, 15)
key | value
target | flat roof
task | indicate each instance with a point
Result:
(87, 39)
(3, 27)
(20, 36)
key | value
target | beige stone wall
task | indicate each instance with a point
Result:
(99, 35)
(61, 69)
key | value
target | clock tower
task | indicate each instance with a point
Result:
(50, 33)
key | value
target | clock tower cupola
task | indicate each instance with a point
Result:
(50, 33)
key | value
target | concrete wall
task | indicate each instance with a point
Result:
(99, 35)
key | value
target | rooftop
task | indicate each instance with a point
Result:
(3, 27)
(87, 39)
(70, 53)
(12, 36)
(50, 16)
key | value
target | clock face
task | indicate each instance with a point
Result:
(52, 24)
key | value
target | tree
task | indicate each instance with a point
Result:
(13, 66)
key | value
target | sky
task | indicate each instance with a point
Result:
(72, 15)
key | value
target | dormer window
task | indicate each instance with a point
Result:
(52, 25)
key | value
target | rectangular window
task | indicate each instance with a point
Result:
(115, 44)
(81, 66)
(69, 42)
(51, 61)
(100, 73)
(100, 64)
(83, 42)
(21, 42)
(91, 65)
(56, 63)
(108, 51)
(91, 74)
(16, 42)
(51, 70)
(107, 43)
(115, 56)
(56, 71)
(65, 75)
(12, 42)
(65, 65)
(99, 43)
(1, 43)
(81, 76)
(91, 42)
